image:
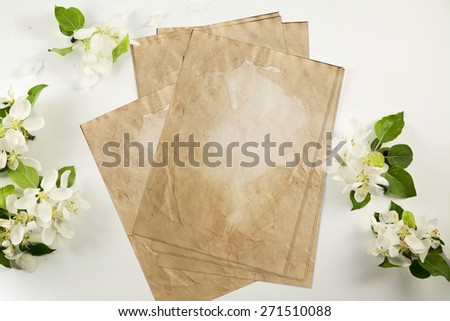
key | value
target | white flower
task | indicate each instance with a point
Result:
(25, 261)
(12, 145)
(19, 117)
(99, 43)
(417, 246)
(428, 229)
(389, 217)
(362, 179)
(356, 140)
(13, 140)
(361, 170)
(60, 231)
(20, 225)
(387, 245)
(45, 198)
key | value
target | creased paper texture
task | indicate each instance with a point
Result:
(135, 119)
(174, 258)
(296, 35)
(157, 68)
(199, 205)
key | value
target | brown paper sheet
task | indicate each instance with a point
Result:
(123, 183)
(174, 258)
(157, 68)
(263, 250)
(296, 36)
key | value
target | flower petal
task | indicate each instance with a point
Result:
(49, 181)
(360, 195)
(48, 235)
(415, 245)
(33, 123)
(25, 202)
(13, 164)
(44, 211)
(7, 121)
(400, 261)
(64, 179)
(31, 162)
(3, 159)
(26, 262)
(10, 200)
(17, 233)
(21, 109)
(60, 194)
(64, 229)
(84, 33)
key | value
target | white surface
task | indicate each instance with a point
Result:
(396, 58)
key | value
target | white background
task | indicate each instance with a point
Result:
(396, 56)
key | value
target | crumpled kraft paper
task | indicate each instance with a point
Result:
(221, 222)
(150, 66)
(174, 258)
(119, 181)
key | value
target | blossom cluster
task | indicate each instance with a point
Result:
(403, 242)
(35, 211)
(367, 168)
(16, 129)
(359, 168)
(102, 44)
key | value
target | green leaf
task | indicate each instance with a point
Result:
(358, 205)
(121, 48)
(377, 216)
(386, 264)
(409, 220)
(436, 265)
(69, 19)
(375, 145)
(24, 176)
(401, 183)
(418, 271)
(4, 261)
(4, 112)
(388, 128)
(33, 93)
(397, 208)
(436, 250)
(4, 214)
(37, 249)
(400, 155)
(62, 51)
(4, 192)
(72, 175)
(65, 32)
(384, 151)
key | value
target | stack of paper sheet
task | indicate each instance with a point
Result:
(202, 168)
